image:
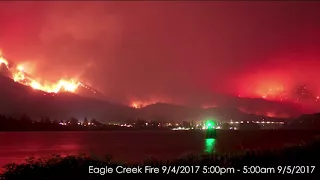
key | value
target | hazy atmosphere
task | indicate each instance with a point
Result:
(94, 89)
(180, 52)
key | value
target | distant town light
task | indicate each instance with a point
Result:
(180, 129)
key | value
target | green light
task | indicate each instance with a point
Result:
(210, 145)
(210, 124)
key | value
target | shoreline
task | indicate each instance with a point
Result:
(155, 130)
(246, 137)
(302, 154)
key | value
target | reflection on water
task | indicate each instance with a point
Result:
(210, 145)
(136, 146)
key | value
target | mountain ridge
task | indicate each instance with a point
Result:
(17, 99)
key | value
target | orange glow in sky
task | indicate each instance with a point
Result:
(270, 90)
(269, 85)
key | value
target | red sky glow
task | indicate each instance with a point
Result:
(184, 52)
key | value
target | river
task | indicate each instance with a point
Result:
(135, 146)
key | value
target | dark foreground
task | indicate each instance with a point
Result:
(302, 161)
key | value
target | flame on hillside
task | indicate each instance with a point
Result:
(141, 104)
(264, 113)
(3, 61)
(19, 75)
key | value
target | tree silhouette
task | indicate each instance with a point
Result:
(85, 121)
(95, 122)
(55, 121)
(225, 126)
(249, 126)
(45, 120)
(74, 121)
(25, 118)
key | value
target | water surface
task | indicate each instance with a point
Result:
(135, 146)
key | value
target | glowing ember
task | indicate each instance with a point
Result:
(19, 77)
(35, 85)
(136, 105)
(270, 91)
(140, 104)
(3, 61)
(20, 68)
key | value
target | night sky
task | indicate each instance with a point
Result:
(167, 51)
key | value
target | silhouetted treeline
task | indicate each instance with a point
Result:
(142, 124)
(25, 123)
(307, 121)
(249, 126)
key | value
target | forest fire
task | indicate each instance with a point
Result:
(19, 75)
(3, 61)
(264, 88)
(277, 87)
(140, 104)
(299, 93)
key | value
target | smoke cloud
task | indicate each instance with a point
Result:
(177, 51)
